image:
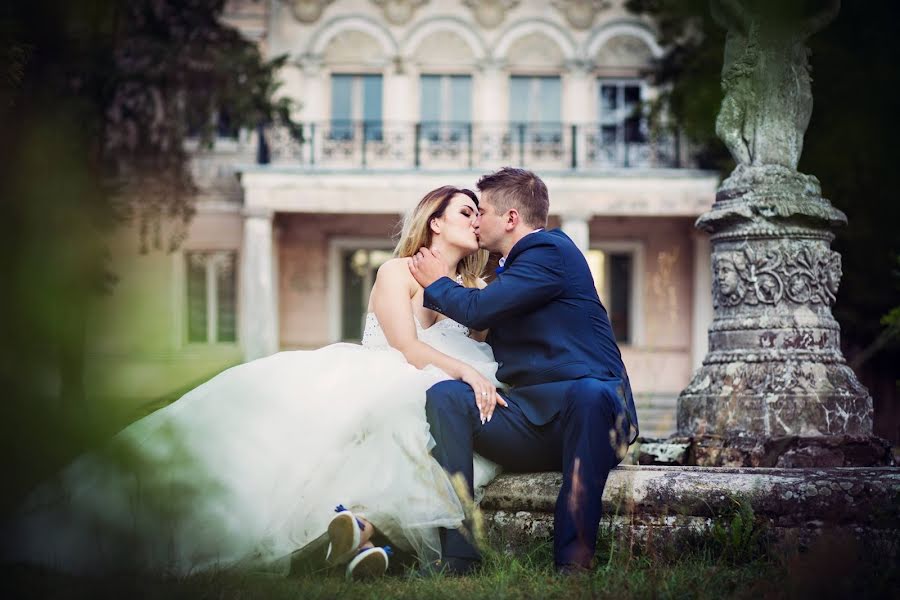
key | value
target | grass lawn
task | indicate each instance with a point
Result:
(824, 571)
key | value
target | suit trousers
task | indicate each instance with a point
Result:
(581, 441)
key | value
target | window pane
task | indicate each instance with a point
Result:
(341, 106)
(596, 260)
(227, 298)
(461, 98)
(620, 266)
(549, 100)
(609, 100)
(519, 96)
(196, 296)
(372, 106)
(632, 96)
(353, 266)
(430, 98)
(430, 106)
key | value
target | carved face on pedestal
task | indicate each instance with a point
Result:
(727, 278)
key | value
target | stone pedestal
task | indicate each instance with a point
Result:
(774, 370)
(774, 366)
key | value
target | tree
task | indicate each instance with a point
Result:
(97, 99)
(849, 147)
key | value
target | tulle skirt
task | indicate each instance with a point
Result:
(246, 468)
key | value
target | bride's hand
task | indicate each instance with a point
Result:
(486, 396)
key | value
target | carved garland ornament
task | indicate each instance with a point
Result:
(804, 275)
(490, 13)
(581, 13)
(307, 11)
(398, 12)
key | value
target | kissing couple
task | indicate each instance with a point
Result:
(456, 378)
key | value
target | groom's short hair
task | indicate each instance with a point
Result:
(519, 189)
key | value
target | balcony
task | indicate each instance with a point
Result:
(435, 146)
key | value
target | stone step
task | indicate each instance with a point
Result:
(795, 503)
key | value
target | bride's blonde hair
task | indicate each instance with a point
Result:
(416, 231)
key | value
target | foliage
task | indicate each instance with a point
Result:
(737, 537)
(96, 99)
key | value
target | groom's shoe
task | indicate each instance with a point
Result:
(369, 562)
(573, 570)
(343, 535)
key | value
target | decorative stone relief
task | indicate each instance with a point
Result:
(625, 51)
(490, 13)
(307, 11)
(802, 274)
(399, 12)
(581, 13)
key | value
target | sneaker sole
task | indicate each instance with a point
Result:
(368, 564)
(343, 533)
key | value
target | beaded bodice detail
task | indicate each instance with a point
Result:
(373, 335)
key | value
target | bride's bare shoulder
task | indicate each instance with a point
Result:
(395, 272)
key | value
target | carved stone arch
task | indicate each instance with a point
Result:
(600, 36)
(466, 31)
(334, 27)
(526, 27)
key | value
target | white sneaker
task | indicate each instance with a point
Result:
(343, 535)
(371, 562)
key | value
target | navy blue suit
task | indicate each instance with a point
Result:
(570, 402)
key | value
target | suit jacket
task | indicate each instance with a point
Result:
(547, 324)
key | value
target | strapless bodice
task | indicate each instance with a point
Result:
(373, 334)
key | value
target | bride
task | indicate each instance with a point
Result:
(246, 468)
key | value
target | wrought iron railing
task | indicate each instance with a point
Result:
(464, 145)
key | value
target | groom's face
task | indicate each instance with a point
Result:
(490, 225)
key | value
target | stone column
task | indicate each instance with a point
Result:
(774, 369)
(259, 301)
(576, 227)
(579, 98)
(702, 313)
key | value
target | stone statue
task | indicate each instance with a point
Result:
(765, 77)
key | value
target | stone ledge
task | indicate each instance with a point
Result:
(798, 503)
(788, 451)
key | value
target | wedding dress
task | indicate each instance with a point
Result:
(247, 467)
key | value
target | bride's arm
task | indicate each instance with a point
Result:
(391, 300)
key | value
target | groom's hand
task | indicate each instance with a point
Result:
(427, 267)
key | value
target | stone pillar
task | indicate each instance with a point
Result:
(774, 367)
(579, 98)
(576, 227)
(259, 301)
(702, 313)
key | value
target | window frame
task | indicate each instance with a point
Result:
(644, 87)
(636, 309)
(212, 298)
(335, 289)
(357, 107)
(445, 95)
(537, 131)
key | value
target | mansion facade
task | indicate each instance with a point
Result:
(395, 98)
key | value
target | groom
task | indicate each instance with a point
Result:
(569, 406)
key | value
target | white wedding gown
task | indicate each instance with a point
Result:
(247, 467)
